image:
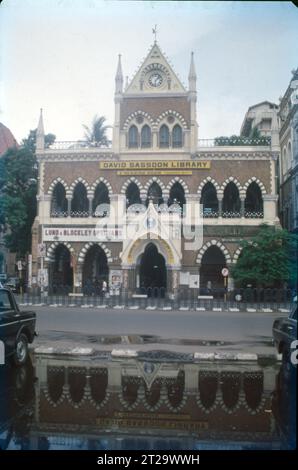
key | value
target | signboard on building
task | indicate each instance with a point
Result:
(115, 280)
(138, 165)
(194, 281)
(80, 234)
(41, 250)
(184, 278)
(42, 278)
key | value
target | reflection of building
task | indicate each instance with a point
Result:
(155, 157)
(145, 404)
(288, 115)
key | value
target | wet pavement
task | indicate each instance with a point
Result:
(161, 399)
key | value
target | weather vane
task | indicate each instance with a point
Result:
(154, 31)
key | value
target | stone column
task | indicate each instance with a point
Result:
(242, 209)
(90, 199)
(78, 277)
(220, 199)
(69, 206)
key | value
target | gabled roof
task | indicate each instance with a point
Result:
(155, 56)
(7, 139)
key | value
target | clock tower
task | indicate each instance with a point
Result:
(155, 97)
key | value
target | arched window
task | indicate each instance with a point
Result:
(177, 136)
(289, 155)
(177, 195)
(209, 200)
(154, 194)
(146, 136)
(164, 136)
(231, 203)
(253, 201)
(133, 137)
(132, 194)
(79, 202)
(101, 200)
(285, 161)
(59, 201)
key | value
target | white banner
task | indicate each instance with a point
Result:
(79, 234)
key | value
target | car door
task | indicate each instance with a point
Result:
(9, 321)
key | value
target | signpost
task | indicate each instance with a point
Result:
(225, 273)
(20, 267)
(41, 275)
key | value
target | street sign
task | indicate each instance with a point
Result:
(41, 250)
(225, 272)
(20, 267)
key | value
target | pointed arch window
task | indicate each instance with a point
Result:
(133, 137)
(164, 137)
(146, 136)
(177, 136)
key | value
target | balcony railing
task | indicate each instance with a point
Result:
(58, 213)
(79, 214)
(231, 215)
(77, 145)
(254, 215)
(237, 141)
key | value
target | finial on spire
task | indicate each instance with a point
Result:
(192, 76)
(119, 76)
(154, 31)
(40, 133)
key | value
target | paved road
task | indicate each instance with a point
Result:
(249, 332)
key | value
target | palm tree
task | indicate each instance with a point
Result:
(96, 135)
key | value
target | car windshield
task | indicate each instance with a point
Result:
(5, 302)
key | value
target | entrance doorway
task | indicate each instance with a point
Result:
(95, 270)
(62, 277)
(213, 262)
(153, 271)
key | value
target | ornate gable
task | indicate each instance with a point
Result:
(155, 76)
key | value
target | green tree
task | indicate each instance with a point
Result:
(267, 260)
(18, 190)
(30, 141)
(96, 134)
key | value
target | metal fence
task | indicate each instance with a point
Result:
(159, 298)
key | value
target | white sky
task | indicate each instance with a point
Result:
(61, 55)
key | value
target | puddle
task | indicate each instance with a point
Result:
(154, 401)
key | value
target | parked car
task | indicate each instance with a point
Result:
(284, 332)
(17, 329)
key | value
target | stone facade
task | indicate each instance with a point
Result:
(155, 126)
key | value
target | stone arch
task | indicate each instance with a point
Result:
(55, 182)
(155, 179)
(177, 179)
(164, 247)
(258, 182)
(234, 180)
(79, 180)
(204, 182)
(161, 118)
(51, 250)
(86, 247)
(217, 243)
(237, 254)
(101, 180)
(133, 116)
(132, 179)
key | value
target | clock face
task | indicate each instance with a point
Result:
(155, 79)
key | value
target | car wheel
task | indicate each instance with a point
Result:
(21, 350)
